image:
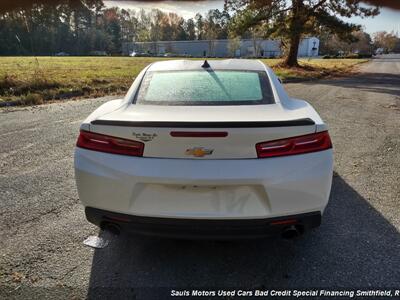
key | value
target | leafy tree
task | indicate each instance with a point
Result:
(129, 25)
(358, 42)
(234, 46)
(385, 40)
(200, 26)
(112, 27)
(291, 20)
(143, 34)
(47, 27)
(215, 24)
(190, 29)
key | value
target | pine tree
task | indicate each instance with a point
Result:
(290, 20)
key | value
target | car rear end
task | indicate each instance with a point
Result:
(188, 169)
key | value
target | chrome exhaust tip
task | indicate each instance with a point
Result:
(113, 228)
(291, 232)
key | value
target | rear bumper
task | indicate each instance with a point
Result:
(204, 189)
(200, 228)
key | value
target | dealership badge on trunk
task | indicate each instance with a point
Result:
(145, 137)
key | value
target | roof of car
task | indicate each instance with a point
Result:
(225, 64)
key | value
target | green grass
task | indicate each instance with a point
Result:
(314, 68)
(30, 80)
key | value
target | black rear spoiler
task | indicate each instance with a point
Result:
(169, 124)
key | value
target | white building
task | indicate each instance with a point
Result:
(309, 47)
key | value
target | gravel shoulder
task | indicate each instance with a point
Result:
(42, 224)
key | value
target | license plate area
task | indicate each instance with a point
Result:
(200, 200)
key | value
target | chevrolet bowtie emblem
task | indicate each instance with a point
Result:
(199, 152)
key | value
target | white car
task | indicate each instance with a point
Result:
(205, 149)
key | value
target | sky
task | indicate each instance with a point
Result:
(388, 20)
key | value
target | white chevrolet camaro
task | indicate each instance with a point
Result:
(205, 149)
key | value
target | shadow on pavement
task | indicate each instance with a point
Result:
(356, 247)
(385, 83)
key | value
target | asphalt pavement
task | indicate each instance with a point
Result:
(42, 224)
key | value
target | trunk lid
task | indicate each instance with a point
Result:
(204, 132)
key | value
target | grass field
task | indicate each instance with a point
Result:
(30, 80)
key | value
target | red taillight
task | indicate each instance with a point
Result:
(109, 144)
(296, 145)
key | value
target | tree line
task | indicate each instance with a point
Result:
(79, 27)
(48, 28)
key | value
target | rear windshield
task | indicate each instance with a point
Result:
(204, 87)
